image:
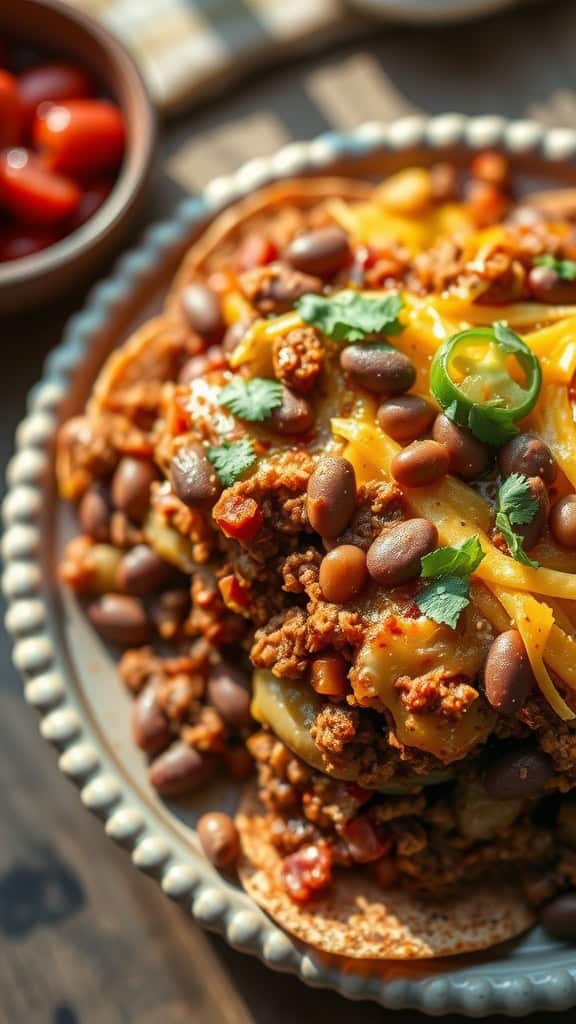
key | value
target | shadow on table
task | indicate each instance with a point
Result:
(41, 892)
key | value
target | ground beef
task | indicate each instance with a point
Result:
(421, 848)
(555, 738)
(298, 357)
(434, 692)
(279, 489)
(378, 504)
(300, 572)
(84, 454)
(281, 644)
(335, 726)
(276, 288)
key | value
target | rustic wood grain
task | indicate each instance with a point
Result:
(84, 938)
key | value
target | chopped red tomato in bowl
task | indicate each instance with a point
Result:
(61, 146)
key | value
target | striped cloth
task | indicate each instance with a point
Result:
(190, 48)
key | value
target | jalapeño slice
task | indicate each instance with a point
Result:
(486, 379)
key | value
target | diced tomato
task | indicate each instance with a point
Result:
(10, 111)
(235, 595)
(328, 675)
(491, 167)
(239, 518)
(486, 202)
(255, 251)
(81, 136)
(363, 841)
(51, 83)
(91, 200)
(18, 242)
(32, 193)
(307, 871)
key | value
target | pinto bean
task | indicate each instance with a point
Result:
(331, 496)
(531, 532)
(228, 690)
(198, 366)
(94, 512)
(180, 770)
(563, 521)
(559, 917)
(150, 727)
(528, 455)
(141, 571)
(192, 475)
(547, 286)
(234, 335)
(405, 418)
(219, 839)
(508, 677)
(468, 457)
(394, 557)
(201, 307)
(131, 485)
(421, 463)
(321, 252)
(378, 368)
(343, 573)
(518, 774)
(120, 620)
(293, 416)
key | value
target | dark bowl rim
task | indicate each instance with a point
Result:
(134, 171)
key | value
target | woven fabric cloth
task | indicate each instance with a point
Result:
(190, 48)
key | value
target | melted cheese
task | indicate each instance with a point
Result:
(414, 647)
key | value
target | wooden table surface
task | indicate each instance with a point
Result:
(84, 937)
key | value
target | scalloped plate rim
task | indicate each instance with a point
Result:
(129, 819)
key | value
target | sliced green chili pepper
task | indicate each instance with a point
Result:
(486, 379)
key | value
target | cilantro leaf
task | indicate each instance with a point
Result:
(445, 599)
(231, 459)
(566, 269)
(350, 316)
(456, 561)
(516, 507)
(515, 499)
(514, 541)
(252, 400)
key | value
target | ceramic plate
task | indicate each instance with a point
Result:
(70, 677)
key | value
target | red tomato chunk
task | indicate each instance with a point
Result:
(307, 871)
(240, 518)
(80, 136)
(10, 111)
(32, 193)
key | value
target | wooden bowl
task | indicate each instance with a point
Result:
(60, 31)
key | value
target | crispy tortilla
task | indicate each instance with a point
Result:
(219, 241)
(356, 918)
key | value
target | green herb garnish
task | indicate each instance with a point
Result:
(252, 400)
(445, 599)
(516, 507)
(566, 269)
(231, 459)
(350, 316)
(456, 561)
